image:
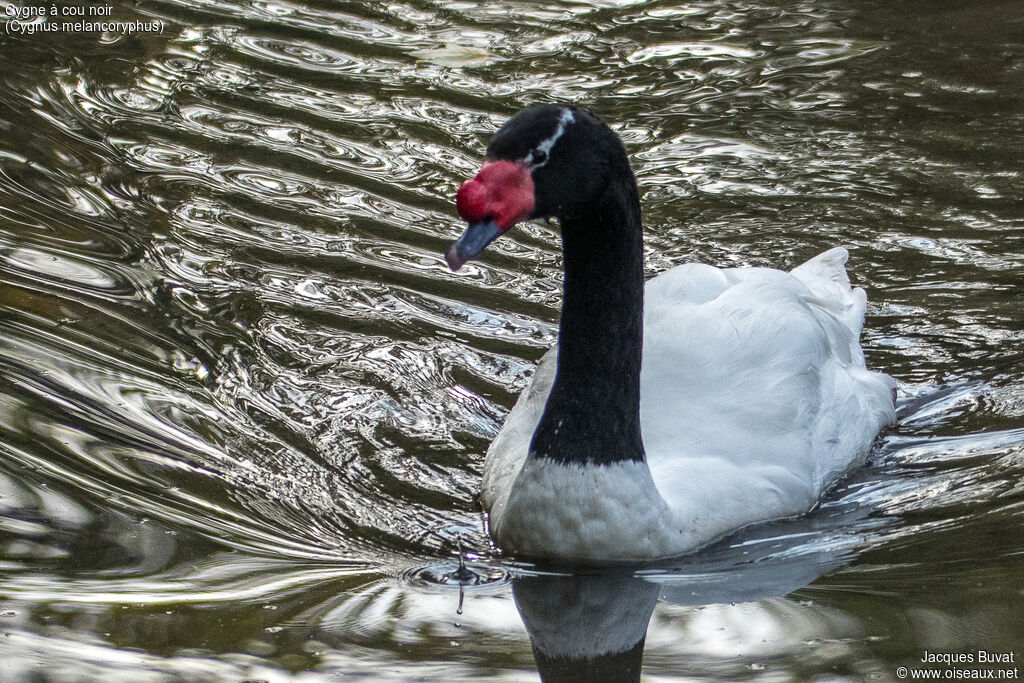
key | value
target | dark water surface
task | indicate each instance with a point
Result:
(244, 404)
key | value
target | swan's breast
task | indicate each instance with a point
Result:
(587, 512)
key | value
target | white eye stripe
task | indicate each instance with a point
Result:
(543, 148)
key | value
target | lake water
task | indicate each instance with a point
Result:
(244, 404)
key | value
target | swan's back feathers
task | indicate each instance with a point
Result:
(754, 400)
(754, 395)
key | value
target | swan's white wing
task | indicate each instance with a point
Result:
(754, 395)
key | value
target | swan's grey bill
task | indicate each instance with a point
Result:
(473, 241)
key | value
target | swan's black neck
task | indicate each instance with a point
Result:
(593, 412)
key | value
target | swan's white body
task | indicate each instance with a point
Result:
(754, 399)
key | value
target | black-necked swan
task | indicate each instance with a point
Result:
(752, 396)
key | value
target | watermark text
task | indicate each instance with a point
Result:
(28, 20)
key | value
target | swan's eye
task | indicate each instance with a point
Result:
(538, 157)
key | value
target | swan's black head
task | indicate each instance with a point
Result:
(550, 160)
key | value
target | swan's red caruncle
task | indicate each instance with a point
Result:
(502, 191)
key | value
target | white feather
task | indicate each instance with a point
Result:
(754, 399)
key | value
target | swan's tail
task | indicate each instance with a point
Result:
(829, 266)
(825, 275)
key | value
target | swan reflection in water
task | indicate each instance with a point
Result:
(586, 628)
(591, 625)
